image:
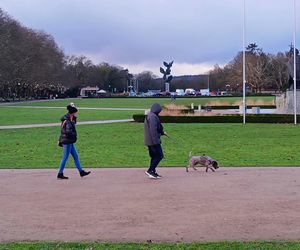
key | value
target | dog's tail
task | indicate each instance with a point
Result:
(187, 167)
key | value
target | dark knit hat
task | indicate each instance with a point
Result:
(71, 108)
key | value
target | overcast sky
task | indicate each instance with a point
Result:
(140, 34)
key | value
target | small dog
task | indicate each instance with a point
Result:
(204, 161)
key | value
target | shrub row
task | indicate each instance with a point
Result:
(251, 118)
(236, 107)
(108, 95)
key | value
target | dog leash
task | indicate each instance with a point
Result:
(172, 139)
(177, 141)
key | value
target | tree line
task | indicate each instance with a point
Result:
(32, 65)
(263, 71)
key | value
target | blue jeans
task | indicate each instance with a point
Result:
(156, 154)
(69, 149)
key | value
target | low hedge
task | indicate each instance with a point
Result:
(236, 107)
(251, 118)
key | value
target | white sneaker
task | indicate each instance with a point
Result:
(158, 176)
(151, 175)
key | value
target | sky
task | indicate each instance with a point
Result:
(140, 34)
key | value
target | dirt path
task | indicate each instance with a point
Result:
(81, 108)
(123, 205)
(44, 125)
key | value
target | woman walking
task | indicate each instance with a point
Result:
(67, 140)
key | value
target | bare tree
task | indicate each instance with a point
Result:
(147, 81)
(27, 57)
(280, 73)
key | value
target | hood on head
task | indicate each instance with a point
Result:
(156, 108)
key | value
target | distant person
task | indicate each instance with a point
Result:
(67, 140)
(153, 130)
(173, 97)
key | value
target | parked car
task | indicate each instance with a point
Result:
(189, 92)
(165, 93)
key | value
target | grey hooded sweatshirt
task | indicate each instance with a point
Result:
(152, 126)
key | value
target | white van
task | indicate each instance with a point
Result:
(189, 92)
(204, 92)
(179, 92)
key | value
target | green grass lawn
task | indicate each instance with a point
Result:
(22, 115)
(121, 145)
(255, 245)
(137, 102)
(13, 116)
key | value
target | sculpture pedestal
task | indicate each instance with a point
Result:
(167, 87)
(285, 102)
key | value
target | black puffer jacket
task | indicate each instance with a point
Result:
(68, 134)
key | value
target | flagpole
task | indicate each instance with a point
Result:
(295, 69)
(244, 65)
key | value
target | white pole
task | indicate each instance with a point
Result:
(208, 82)
(295, 85)
(244, 64)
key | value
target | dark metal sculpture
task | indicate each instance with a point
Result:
(167, 72)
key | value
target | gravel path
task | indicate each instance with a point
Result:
(124, 205)
(44, 125)
(81, 108)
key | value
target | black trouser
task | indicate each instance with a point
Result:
(156, 154)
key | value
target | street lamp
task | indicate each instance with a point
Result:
(295, 68)
(18, 89)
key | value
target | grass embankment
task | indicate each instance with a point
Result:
(257, 245)
(121, 145)
(15, 115)
(145, 102)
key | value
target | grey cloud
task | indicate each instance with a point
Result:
(138, 31)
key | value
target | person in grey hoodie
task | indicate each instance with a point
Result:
(153, 130)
